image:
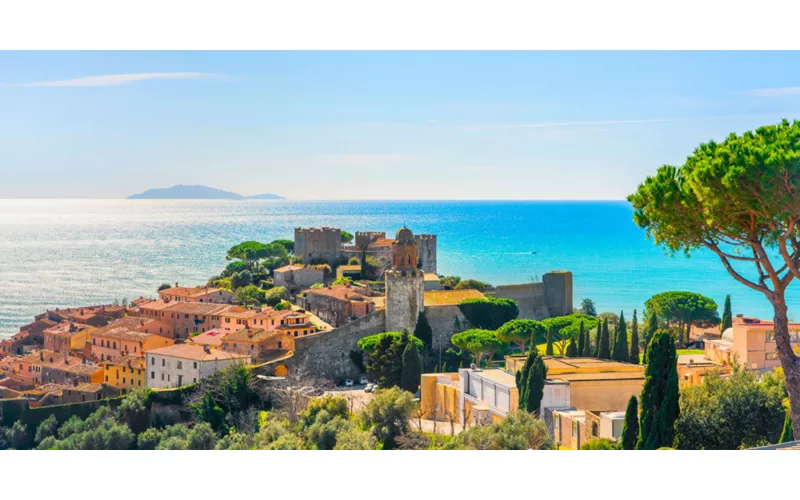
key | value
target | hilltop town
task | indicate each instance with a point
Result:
(330, 316)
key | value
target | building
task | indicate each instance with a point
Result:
(179, 320)
(59, 394)
(296, 277)
(124, 338)
(432, 282)
(67, 337)
(257, 342)
(43, 367)
(126, 373)
(693, 367)
(196, 294)
(95, 316)
(349, 271)
(182, 364)
(211, 338)
(318, 245)
(568, 426)
(546, 299)
(405, 284)
(750, 342)
(338, 304)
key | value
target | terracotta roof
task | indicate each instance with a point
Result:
(251, 335)
(124, 329)
(189, 292)
(288, 267)
(450, 297)
(58, 361)
(212, 338)
(194, 352)
(130, 361)
(341, 292)
(238, 312)
(432, 277)
(58, 389)
(66, 329)
(195, 308)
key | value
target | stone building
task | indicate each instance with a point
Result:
(405, 284)
(549, 298)
(426, 252)
(296, 277)
(318, 245)
(338, 304)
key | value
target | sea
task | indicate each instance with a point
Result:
(60, 253)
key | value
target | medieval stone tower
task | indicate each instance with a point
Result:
(318, 244)
(405, 284)
(426, 251)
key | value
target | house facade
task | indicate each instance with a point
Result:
(182, 364)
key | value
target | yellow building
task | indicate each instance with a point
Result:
(126, 374)
(693, 367)
(475, 396)
(439, 396)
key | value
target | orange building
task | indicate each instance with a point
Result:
(122, 338)
(126, 373)
(67, 337)
(256, 342)
(196, 294)
(751, 342)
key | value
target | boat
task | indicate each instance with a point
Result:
(533, 252)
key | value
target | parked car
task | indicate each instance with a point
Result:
(348, 382)
(364, 380)
(369, 388)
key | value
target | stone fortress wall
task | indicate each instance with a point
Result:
(318, 244)
(549, 298)
(426, 251)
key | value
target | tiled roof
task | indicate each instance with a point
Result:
(341, 292)
(450, 297)
(189, 292)
(66, 329)
(250, 335)
(194, 352)
(288, 267)
(130, 361)
(124, 329)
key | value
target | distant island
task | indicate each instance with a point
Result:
(181, 192)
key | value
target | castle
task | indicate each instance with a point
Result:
(324, 244)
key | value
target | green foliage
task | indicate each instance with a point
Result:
(683, 308)
(489, 313)
(522, 332)
(634, 354)
(250, 294)
(423, 330)
(253, 252)
(387, 414)
(660, 405)
(518, 431)
(353, 261)
(587, 308)
(621, 351)
(47, 428)
(234, 267)
(287, 244)
(283, 305)
(549, 349)
(630, 428)
(275, 295)
(652, 328)
(478, 342)
(572, 348)
(332, 406)
(787, 433)
(604, 350)
(208, 411)
(729, 413)
(581, 340)
(471, 284)
(134, 411)
(412, 369)
(241, 279)
(18, 437)
(347, 237)
(385, 352)
(450, 281)
(530, 383)
(344, 280)
(600, 444)
(164, 286)
(357, 357)
(727, 315)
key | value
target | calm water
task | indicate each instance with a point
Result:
(73, 252)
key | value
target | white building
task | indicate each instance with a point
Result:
(182, 364)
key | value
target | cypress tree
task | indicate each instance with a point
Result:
(727, 315)
(423, 331)
(630, 428)
(522, 380)
(572, 348)
(652, 328)
(621, 350)
(598, 339)
(549, 350)
(587, 346)
(364, 274)
(634, 357)
(581, 341)
(660, 407)
(787, 434)
(535, 386)
(412, 369)
(604, 350)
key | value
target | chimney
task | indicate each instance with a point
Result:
(207, 349)
(176, 284)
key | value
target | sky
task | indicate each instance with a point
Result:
(374, 125)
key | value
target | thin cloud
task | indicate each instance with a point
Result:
(113, 80)
(775, 92)
(509, 126)
(364, 159)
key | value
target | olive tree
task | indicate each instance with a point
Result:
(740, 199)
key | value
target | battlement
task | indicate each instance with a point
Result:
(317, 230)
(425, 237)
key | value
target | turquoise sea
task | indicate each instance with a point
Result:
(58, 253)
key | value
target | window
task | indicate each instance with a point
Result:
(163, 362)
(115, 345)
(168, 377)
(152, 375)
(194, 379)
(279, 344)
(180, 365)
(595, 432)
(770, 336)
(152, 360)
(772, 355)
(106, 378)
(162, 377)
(123, 380)
(139, 383)
(195, 364)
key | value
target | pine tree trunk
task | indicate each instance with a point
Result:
(789, 361)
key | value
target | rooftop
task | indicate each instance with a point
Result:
(213, 338)
(288, 267)
(251, 335)
(341, 292)
(450, 297)
(66, 329)
(123, 329)
(496, 375)
(195, 353)
(189, 292)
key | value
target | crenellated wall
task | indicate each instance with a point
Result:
(426, 251)
(318, 244)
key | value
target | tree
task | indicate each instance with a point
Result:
(387, 415)
(598, 339)
(47, 428)
(275, 295)
(735, 412)
(471, 284)
(385, 353)
(241, 279)
(287, 244)
(478, 342)
(164, 286)
(634, 355)
(423, 330)
(549, 348)
(727, 315)
(739, 199)
(209, 411)
(250, 295)
(567, 327)
(587, 345)
(412, 369)
(518, 431)
(652, 328)
(630, 428)
(604, 350)
(17, 436)
(660, 394)
(600, 444)
(530, 381)
(364, 274)
(521, 332)
(587, 307)
(581, 341)
(450, 281)
(354, 438)
(572, 348)
(787, 434)
(489, 313)
(683, 308)
(621, 351)
(346, 237)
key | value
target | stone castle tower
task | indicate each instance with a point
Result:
(405, 284)
(318, 244)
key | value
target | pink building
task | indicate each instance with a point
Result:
(751, 342)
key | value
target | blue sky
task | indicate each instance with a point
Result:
(374, 125)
